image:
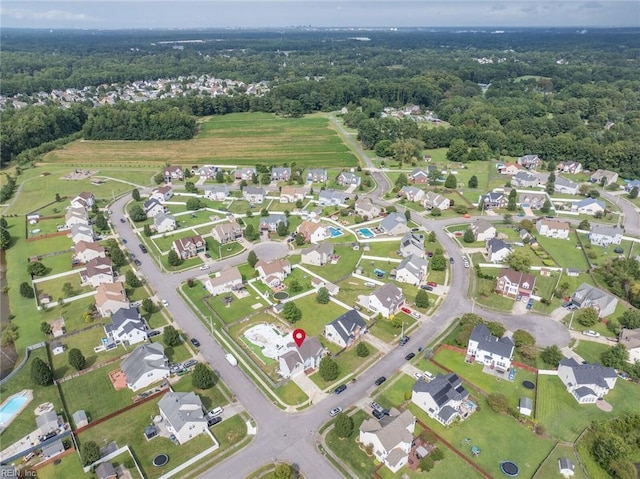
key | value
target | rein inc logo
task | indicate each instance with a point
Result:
(10, 471)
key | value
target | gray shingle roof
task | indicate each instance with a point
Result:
(142, 361)
(388, 294)
(495, 244)
(588, 295)
(604, 230)
(181, 408)
(347, 323)
(488, 342)
(391, 220)
(588, 374)
(444, 388)
(413, 264)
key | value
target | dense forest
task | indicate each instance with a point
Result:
(555, 93)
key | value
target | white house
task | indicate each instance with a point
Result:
(110, 297)
(442, 398)
(571, 167)
(299, 359)
(411, 193)
(245, 174)
(497, 250)
(419, 175)
(216, 192)
(630, 338)
(483, 230)
(568, 187)
(588, 206)
(183, 414)
(127, 326)
(346, 178)
(391, 438)
(525, 179)
(386, 300)
(487, 349)
(586, 382)
(366, 208)
(227, 280)
(97, 271)
(412, 244)
(317, 254)
(602, 235)
(164, 222)
(331, 197)
(85, 251)
(411, 270)
(434, 200)
(553, 228)
(346, 329)
(587, 296)
(84, 200)
(226, 232)
(81, 233)
(291, 194)
(253, 194)
(313, 232)
(152, 208)
(394, 224)
(491, 200)
(273, 273)
(530, 162)
(161, 193)
(146, 365)
(76, 216)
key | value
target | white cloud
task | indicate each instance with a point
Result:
(49, 15)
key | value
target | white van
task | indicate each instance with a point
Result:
(232, 360)
(215, 412)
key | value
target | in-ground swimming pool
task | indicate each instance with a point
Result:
(366, 233)
(335, 232)
(12, 407)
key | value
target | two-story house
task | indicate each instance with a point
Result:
(411, 193)
(553, 228)
(565, 186)
(317, 254)
(146, 365)
(330, 197)
(602, 235)
(419, 175)
(434, 200)
(512, 283)
(346, 329)
(270, 223)
(189, 246)
(394, 224)
(313, 232)
(172, 173)
(126, 326)
(530, 162)
(216, 192)
(570, 167)
(586, 382)
(386, 300)
(411, 270)
(164, 222)
(483, 230)
(301, 358)
(291, 194)
(346, 178)
(273, 273)
(412, 244)
(110, 297)
(226, 232)
(366, 208)
(161, 193)
(97, 271)
(280, 174)
(76, 216)
(316, 175)
(227, 281)
(183, 414)
(245, 174)
(83, 251)
(497, 250)
(390, 438)
(493, 352)
(524, 179)
(152, 208)
(253, 194)
(442, 398)
(587, 296)
(510, 169)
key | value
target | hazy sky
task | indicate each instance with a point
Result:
(112, 14)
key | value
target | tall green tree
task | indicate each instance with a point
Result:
(41, 373)
(344, 425)
(291, 312)
(422, 299)
(252, 258)
(473, 182)
(203, 377)
(322, 296)
(328, 369)
(171, 336)
(89, 453)
(135, 194)
(173, 259)
(76, 359)
(451, 182)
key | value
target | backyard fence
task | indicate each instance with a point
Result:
(23, 362)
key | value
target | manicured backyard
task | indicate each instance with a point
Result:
(315, 316)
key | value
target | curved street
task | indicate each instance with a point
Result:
(292, 437)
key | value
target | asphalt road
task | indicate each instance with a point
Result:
(291, 437)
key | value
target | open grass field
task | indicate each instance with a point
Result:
(564, 252)
(345, 265)
(590, 351)
(236, 139)
(315, 316)
(25, 422)
(69, 467)
(550, 466)
(562, 416)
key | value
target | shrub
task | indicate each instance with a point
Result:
(203, 377)
(344, 425)
(171, 336)
(362, 350)
(26, 290)
(41, 372)
(76, 359)
(89, 452)
(328, 369)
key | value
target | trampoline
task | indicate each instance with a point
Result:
(160, 460)
(528, 385)
(280, 295)
(509, 468)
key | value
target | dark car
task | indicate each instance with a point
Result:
(124, 241)
(340, 389)
(207, 255)
(404, 340)
(410, 356)
(122, 220)
(426, 287)
(213, 421)
(153, 333)
(380, 380)
(137, 262)
(377, 414)
(195, 342)
(451, 260)
(143, 248)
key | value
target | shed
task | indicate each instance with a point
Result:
(80, 418)
(57, 348)
(566, 467)
(150, 432)
(525, 406)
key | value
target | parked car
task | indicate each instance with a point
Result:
(195, 342)
(376, 406)
(187, 364)
(415, 315)
(122, 220)
(377, 414)
(379, 381)
(340, 388)
(153, 333)
(433, 284)
(589, 332)
(335, 411)
(216, 411)
(410, 356)
(124, 241)
(405, 310)
(137, 262)
(207, 255)
(429, 376)
(404, 340)
(204, 267)
(451, 260)
(165, 303)
(369, 284)
(417, 375)
(426, 287)
(429, 254)
(143, 248)
(175, 368)
(213, 421)
(530, 303)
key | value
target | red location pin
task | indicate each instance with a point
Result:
(298, 336)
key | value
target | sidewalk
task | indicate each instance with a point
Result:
(310, 388)
(377, 343)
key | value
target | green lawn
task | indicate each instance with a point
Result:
(473, 374)
(486, 297)
(68, 467)
(94, 393)
(212, 397)
(386, 331)
(25, 422)
(348, 362)
(128, 428)
(384, 249)
(562, 416)
(393, 395)
(348, 450)
(54, 287)
(590, 351)
(564, 252)
(239, 308)
(291, 394)
(345, 265)
(550, 466)
(315, 316)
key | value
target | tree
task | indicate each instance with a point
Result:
(203, 377)
(473, 182)
(58, 198)
(252, 259)
(159, 178)
(300, 240)
(328, 369)
(3, 222)
(322, 297)
(291, 312)
(436, 212)
(588, 317)
(550, 187)
(615, 357)
(283, 471)
(189, 187)
(264, 212)
(362, 350)
(633, 194)
(401, 181)
(41, 372)
(295, 286)
(458, 151)
(344, 425)
(468, 236)
(173, 259)
(422, 299)
(299, 204)
(551, 355)
(511, 204)
(461, 209)
(137, 214)
(630, 319)
(407, 214)
(193, 204)
(147, 230)
(523, 338)
(171, 336)
(45, 327)
(250, 233)
(76, 359)
(26, 290)
(427, 463)
(432, 237)
(282, 229)
(36, 268)
(546, 206)
(67, 290)
(607, 447)
(527, 225)
(438, 262)
(148, 306)
(498, 402)
(496, 329)
(132, 279)
(519, 261)
(90, 453)
(451, 183)
(5, 238)
(101, 222)
(135, 194)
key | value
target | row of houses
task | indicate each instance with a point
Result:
(428, 199)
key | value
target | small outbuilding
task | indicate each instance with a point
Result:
(525, 406)
(566, 467)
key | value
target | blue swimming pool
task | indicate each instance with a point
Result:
(11, 408)
(335, 232)
(366, 232)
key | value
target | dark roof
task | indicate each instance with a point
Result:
(347, 323)
(589, 373)
(446, 412)
(488, 342)
(526, 403)
(444, 388)
(495, 244)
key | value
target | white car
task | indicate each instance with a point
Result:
(418, 375)
(593, 334)
(415, 314)
(204, 267)
(427, 375)
(335, 411)
(165, 303)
